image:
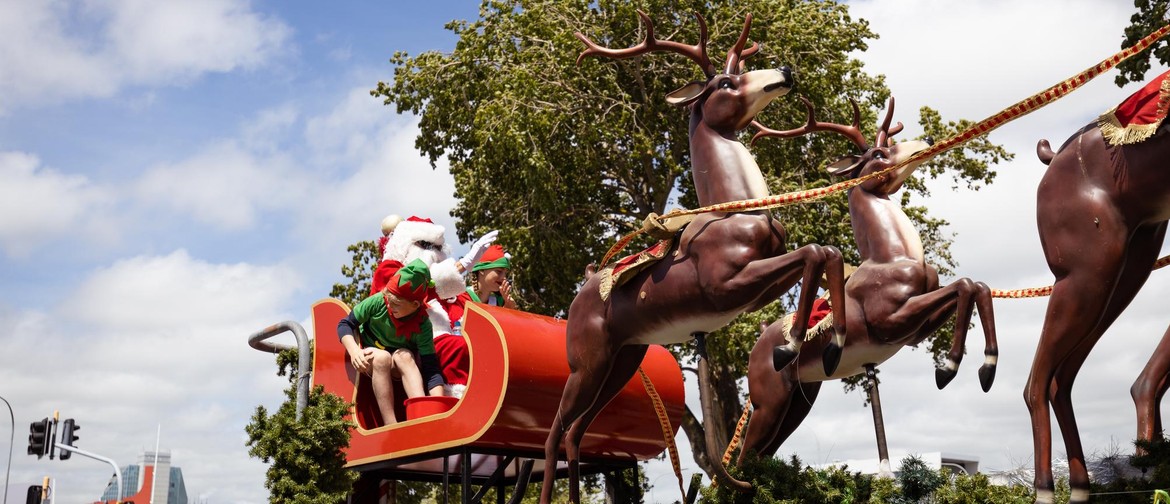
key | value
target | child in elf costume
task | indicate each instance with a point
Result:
(393, 330)
(489, 279)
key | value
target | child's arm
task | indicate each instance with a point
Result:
(361, 358)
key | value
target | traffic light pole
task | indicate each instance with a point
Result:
(117, 472)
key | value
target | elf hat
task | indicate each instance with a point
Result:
(493, 257)
(411, 281)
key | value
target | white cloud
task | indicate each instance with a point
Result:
(39, 204)
(145, 342)
(225, 185)
(57, 50)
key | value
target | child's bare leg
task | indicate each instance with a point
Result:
(407, 369)
(383, 365)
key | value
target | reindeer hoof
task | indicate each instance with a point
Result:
(986, 376)
(942, 377)
(831, 357)
(782, 356)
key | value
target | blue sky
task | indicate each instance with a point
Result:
(175, 176)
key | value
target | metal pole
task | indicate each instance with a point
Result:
(879, 425)
(304, 365)
(117, 471)
(11, 441)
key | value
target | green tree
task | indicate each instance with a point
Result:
(563, 158)
(307, 461)
(1150, 16)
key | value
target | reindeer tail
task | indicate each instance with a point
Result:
(1044, 151)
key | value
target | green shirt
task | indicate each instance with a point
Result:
(377, 329)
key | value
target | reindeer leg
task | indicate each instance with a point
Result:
(835, 277)
(1147, 392)
(1151, 385)
(588, 369)
(811, 263)
(985, 306)
(1072, 324)
(626, 363)
(770, 393)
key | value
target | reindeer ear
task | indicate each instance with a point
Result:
(686, 94)
(844, 165)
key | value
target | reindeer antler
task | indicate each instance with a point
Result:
(737, 54)
(884, 134)
(697, 52)
(853, 133)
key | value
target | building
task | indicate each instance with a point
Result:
(955, 462)
(171, 489)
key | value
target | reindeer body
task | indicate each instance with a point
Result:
(721, 266)
(893, 299)
(1101, 213)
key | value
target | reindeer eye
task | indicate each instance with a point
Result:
(725, 84)
(879, 155)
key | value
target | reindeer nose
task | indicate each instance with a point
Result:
(929, 140)
(787, 73)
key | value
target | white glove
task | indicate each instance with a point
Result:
(477, 249)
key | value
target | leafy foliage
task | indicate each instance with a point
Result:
(779, 481)
(563, 158)
(307, 462)
(360, 271)
(1150, 16)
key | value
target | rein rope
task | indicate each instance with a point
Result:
(1013, 112)
(1045, 291)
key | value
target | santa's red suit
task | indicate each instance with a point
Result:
(423, 239)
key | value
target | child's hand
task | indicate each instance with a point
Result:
(361, 361)
(505, 288)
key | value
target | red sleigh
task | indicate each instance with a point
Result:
(518, 370)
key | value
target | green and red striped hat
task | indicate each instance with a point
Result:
(411, 281)
(493, 257)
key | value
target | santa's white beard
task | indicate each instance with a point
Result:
(430, 257)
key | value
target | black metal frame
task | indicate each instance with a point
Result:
(374, 473)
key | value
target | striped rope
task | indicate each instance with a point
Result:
(667, 431)
(1013, 112)
(738, 436)
(1045, 291)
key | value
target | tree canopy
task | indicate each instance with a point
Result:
(563, 158)
(1150, 16)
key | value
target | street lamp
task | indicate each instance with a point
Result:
(11, 440)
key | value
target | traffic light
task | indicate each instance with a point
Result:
(68, 436)
(40, 438)
(34, 495)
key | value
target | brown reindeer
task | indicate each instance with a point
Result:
(1101, 210)
(719, 267)
(893, 299)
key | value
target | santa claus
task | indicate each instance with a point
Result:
(418, 238)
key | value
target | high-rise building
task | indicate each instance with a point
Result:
(169, 482)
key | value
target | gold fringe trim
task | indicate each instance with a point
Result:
(1116, 134)
(822, 327)
(645, 258)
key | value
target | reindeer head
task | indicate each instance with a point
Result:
(881, 155)
(726, 102)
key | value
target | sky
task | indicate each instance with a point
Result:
(175, 176)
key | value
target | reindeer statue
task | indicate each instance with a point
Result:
(893, 299)
(1101, 210)
(721, 264)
